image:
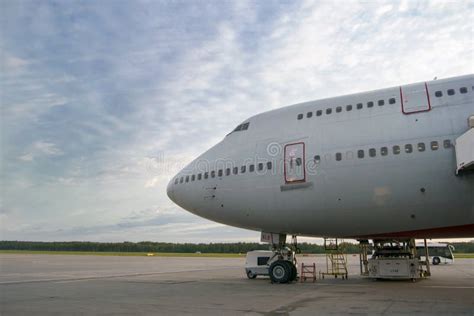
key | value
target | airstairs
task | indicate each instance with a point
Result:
(465, 150)
(336, 260)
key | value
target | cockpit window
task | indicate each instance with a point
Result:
(241, 127)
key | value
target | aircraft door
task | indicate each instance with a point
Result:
(415, 98)
(294, 168)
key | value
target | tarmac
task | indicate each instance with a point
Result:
(78, 284)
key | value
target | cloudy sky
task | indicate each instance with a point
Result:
(102, 102)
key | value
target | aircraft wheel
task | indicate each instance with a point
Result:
(436, 261)
(250, 275)
(280, 272)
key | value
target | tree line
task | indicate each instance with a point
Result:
(149, 246)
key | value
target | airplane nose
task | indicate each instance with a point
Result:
(170, 191)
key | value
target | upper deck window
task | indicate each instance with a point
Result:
(381, 102)
(300, 116)
(359, 106)
(391, 100)
(328, 111)
(349, 107)
(319, 112)
(439, 94)
(309, 114)
(450, 91)
(370, 104)
(463, 90)
(339, 109)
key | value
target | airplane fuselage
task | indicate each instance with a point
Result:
(380, 163)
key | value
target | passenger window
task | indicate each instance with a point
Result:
(339, 109)
(269, 165)
(392, 100)
(181, 180)
(396, 149)
(438, 94)
(370, 104)
(300, 116)
(450, 91)
(360, 153)
(384, 151)
(328, 111)
(309, 114)
(408, 148)
(372, 152)
(251, 168)
(242, 169)
(187, 178)
(235, 170)
(176, 181)
(421, 146)
(213, 174)
(219, 173)
(381, 102)
(199, 176)
(206, 175)
(260, 166)
(338, 156)
(348, 107)
(319, 112)
(463, 90)
(447, 143)
(227, 172)
(359, 106)
(434, 145)
(317, 159)
(193, 177)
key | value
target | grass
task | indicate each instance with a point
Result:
(463, 256)
(163, 254)
(138, 254)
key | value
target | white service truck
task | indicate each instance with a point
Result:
(279, 266)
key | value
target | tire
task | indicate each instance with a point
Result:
(250, 275)
(280, 272)
(436, 261)
(294, 272)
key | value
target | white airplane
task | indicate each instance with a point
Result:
(392, 163)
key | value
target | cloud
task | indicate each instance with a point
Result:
(41, 149)
(14, 63)
(102, 105)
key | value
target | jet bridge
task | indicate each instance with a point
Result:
(465, 150)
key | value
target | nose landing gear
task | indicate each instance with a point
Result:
(282, 265)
